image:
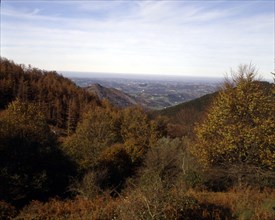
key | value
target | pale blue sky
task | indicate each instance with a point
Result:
(193, 38)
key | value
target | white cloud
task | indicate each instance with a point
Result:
(35, 11)
(149, 37)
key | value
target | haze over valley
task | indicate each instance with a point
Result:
(156, 92)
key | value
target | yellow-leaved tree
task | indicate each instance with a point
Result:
(239, 130)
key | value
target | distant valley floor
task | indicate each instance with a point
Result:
(155, 94)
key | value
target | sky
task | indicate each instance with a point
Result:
(184, 38)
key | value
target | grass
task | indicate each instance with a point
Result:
(239, 203)
(246, 203)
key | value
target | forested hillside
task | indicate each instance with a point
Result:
(183, 117)
(114, 96)
(59, 98)
(212, 158)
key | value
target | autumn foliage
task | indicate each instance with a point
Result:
(31, 164)
(66, 155)
(61, 101)
(238, 133)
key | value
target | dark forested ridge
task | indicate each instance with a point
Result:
(200, 104)
(184, 116)
(60, 99)
(211, 158)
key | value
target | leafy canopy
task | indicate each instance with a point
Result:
(240, 126)
(31, 164)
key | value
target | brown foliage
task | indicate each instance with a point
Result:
(102, 207)
(7, 211)
(245, 203)
(59, 98)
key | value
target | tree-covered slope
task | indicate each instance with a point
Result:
(58, 97)
(114, 96)
(183, 117)
(200, 104)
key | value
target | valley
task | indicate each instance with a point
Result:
(156, 93)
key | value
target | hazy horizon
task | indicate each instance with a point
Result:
(182, 38)
(108, 75)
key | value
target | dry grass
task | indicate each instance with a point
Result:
(245, 203)
(79, 208)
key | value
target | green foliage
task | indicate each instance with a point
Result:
(31, 165)
(239, 128)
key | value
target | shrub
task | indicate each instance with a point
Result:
(102, 207)
(7, 211)
(193, 179)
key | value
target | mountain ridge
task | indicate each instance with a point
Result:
(114, 96)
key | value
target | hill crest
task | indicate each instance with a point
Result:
(114, 96)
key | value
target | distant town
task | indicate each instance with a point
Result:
(157, 93)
